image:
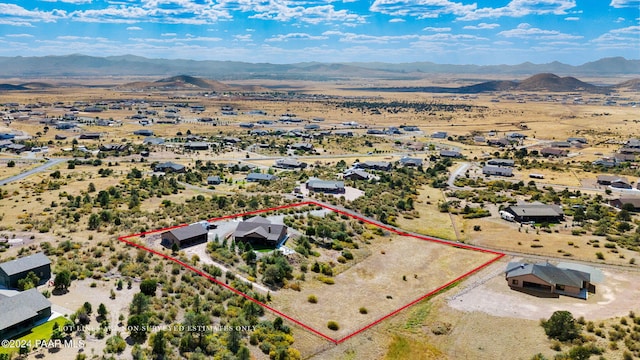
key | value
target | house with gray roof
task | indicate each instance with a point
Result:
(185, 236)
(497, 171)
(196, 145)
(537, 213)
(409, 161)
(169, 167)
(260, 177)
(21, 312)
(14, 270)
(549, 279)
(150, 140)
(325, 186)
(501, 162)
(289, 163)
(373, 165)
(260, 231)
(214, 180)
(450, 153)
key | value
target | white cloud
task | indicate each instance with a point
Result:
(77, 2)
(481, 26)
(625, 3)
(295, 36)
(168, 34)
(18, 14)
(178, 40)
(134, 28)
(420, 8)
(15, 23)
(424, 9)
(19, 35)
(312, 15)
(619, 20)
(245, 37)
(397, 20)
(526, 31)
(572, 18)
(437, 29)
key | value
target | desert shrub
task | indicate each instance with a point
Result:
(333, 325)
(363, 310)
(312, 299)
(561, 326)
(327, 280)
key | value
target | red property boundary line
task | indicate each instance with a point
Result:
(499, 255)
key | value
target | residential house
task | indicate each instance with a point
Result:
(580, 140)
(450, 153)
(409, 128)
(90, 136)
(439, 135)
(60, 137)
(502, 142)
(537, 213)
(196, 145)
(5, 143)
(497, 170)
(373, 165)
(375, 132)
(260, 231)
(153, 141)
(259, 177)
(185, 236)
(16, 148)
(143, 132)
(620, 158)
(214, 180)
(305, 146)
(408, 161)
(22, 311)
(345, 133)
(14, 270)
(290, 164)
(169, 167)
(549, 279)
(561, 144)
(501, 162)
(633, 143)
(325, 186)
(114, 147)
(259, 132)
(619, 182)
(553, 152)
(620, 202)
(231, 140)
(356, 174)
(515, 135)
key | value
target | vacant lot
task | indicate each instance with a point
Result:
(377, 284)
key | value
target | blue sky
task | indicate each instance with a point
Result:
(288, 31)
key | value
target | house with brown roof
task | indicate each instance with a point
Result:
(620, 202)
(548, 151)
(618, 182)
(545, 278)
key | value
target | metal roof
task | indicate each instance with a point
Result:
(536, 210)
(25, 264)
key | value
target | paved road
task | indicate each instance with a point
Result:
(459, 171)
(28, 173)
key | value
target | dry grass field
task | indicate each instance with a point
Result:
(398, 271)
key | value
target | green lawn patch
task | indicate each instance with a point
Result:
(39, 332)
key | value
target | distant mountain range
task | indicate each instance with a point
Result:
(545, 82)
(70, 66)
(539, 82)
